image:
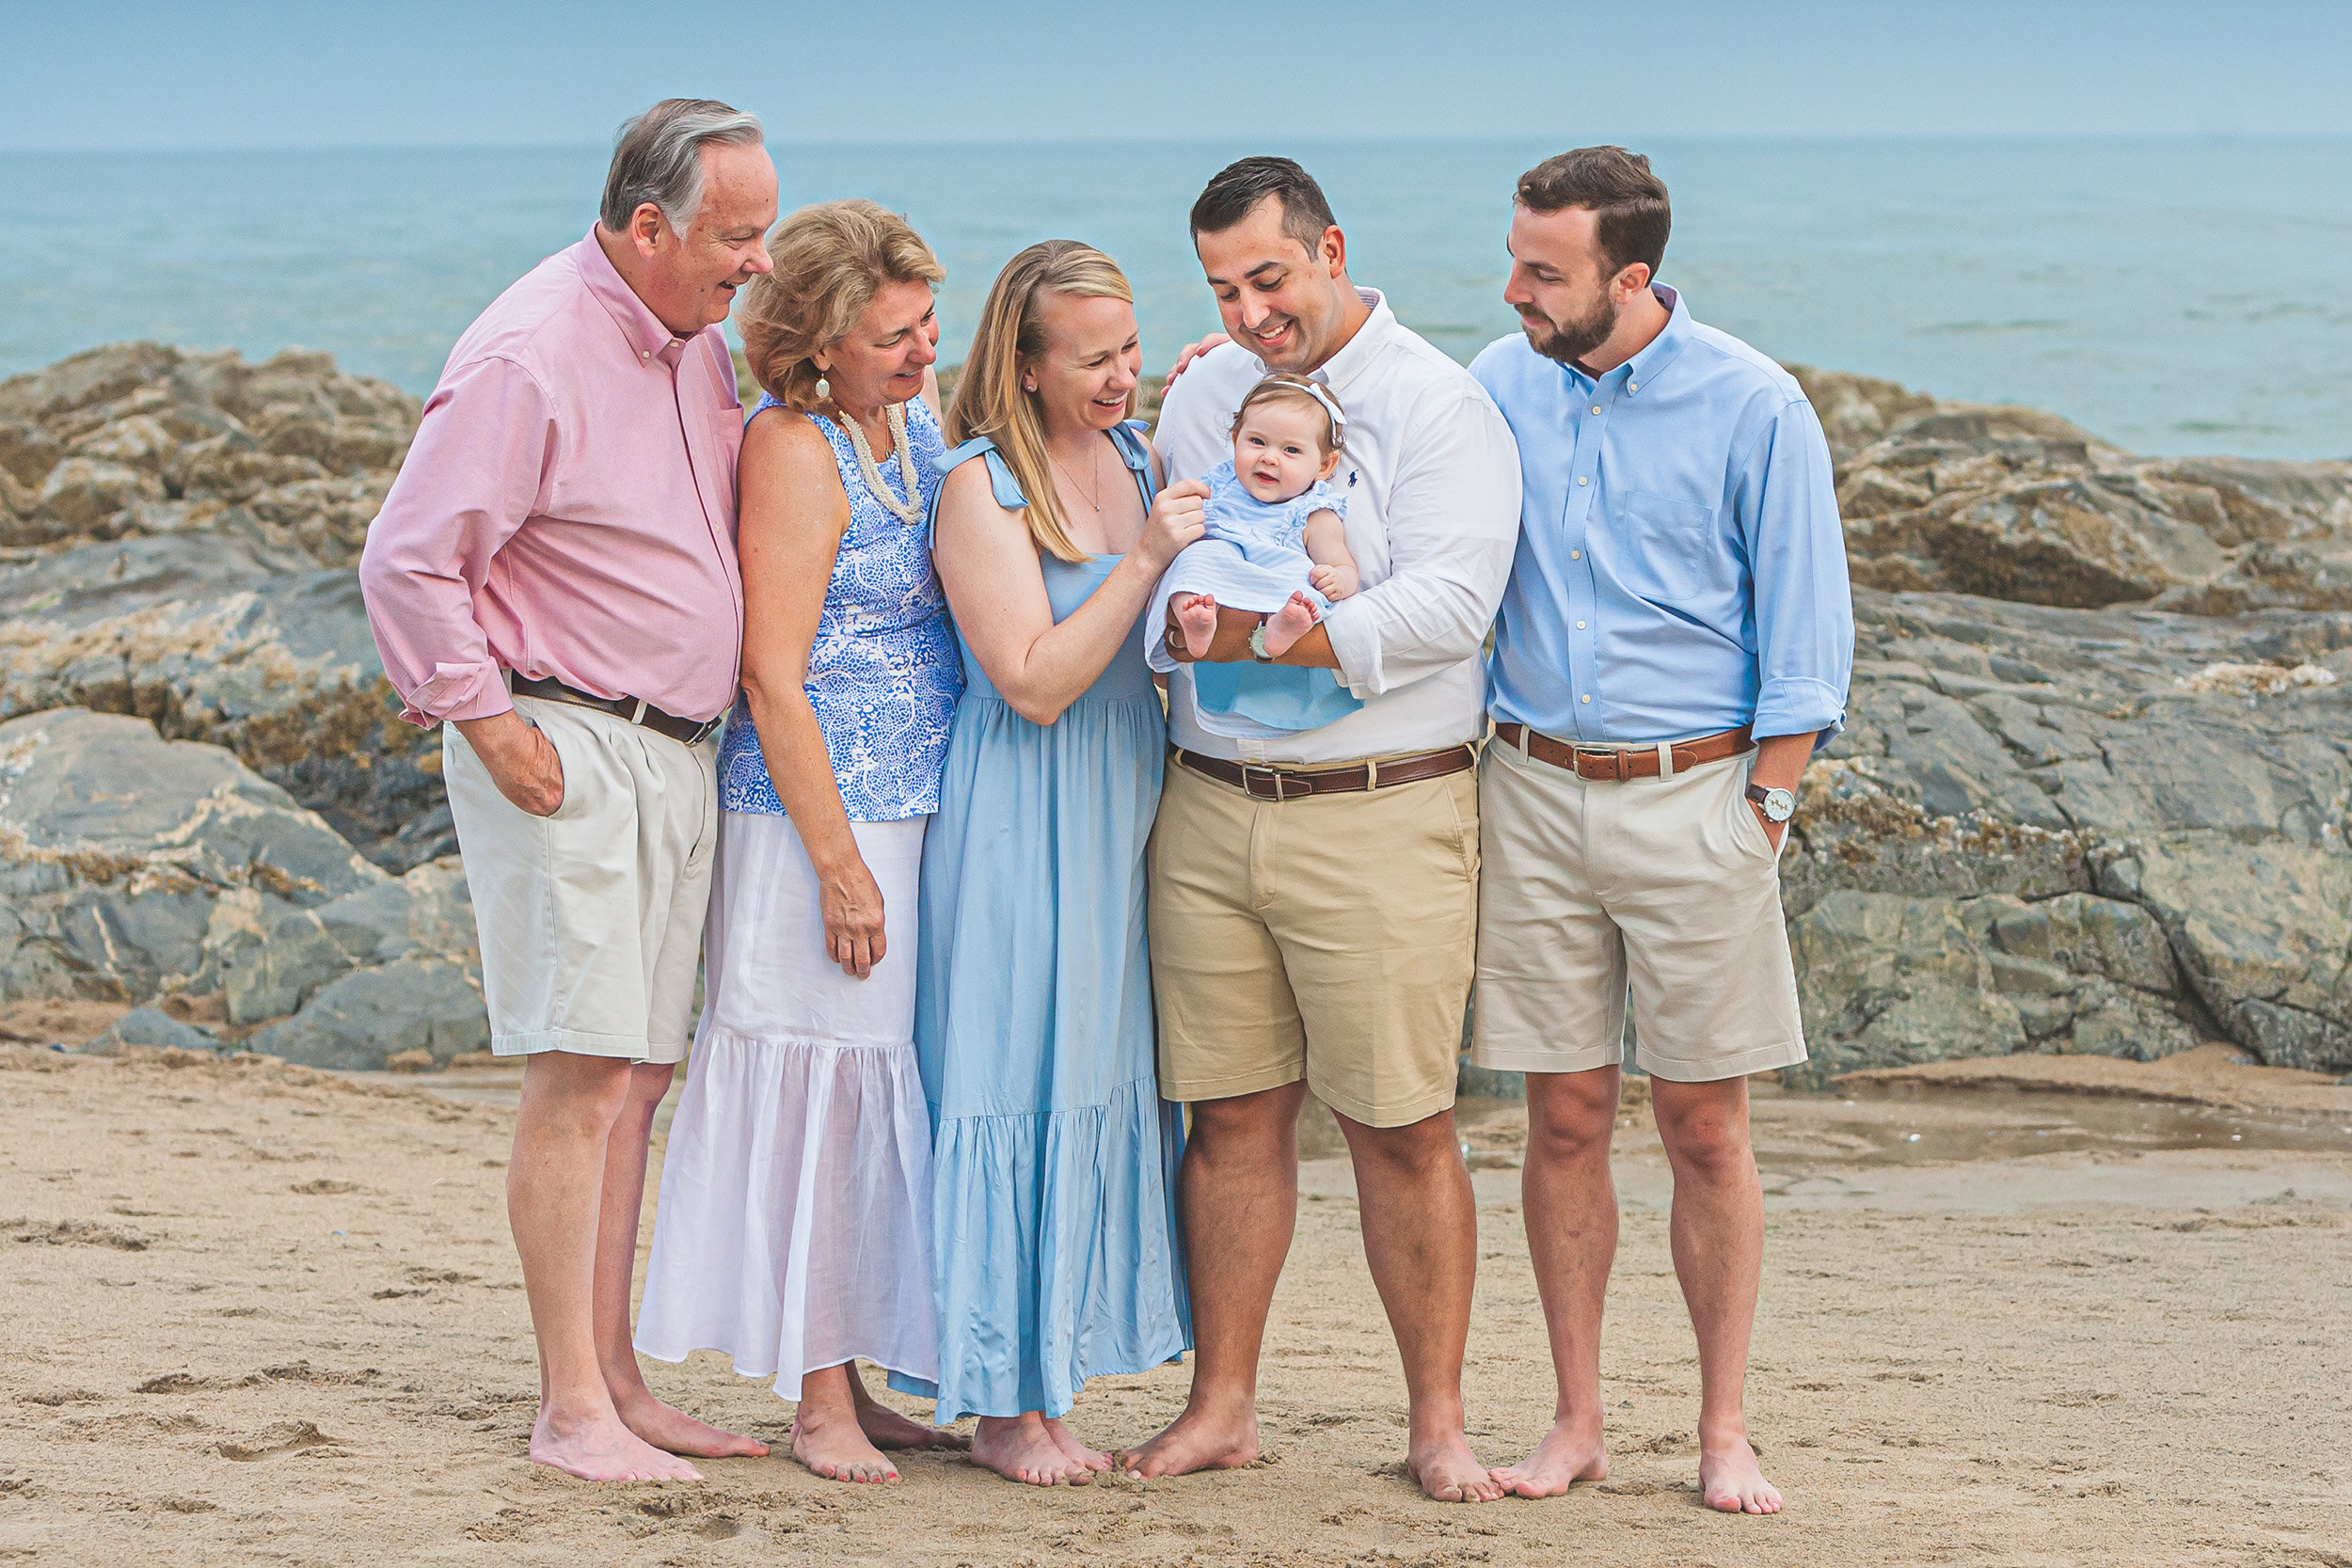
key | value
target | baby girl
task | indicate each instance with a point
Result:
(1276, 542)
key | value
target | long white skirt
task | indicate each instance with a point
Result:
(794, 1230)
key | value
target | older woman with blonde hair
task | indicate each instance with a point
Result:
(1053, 1221)
(794, 1230)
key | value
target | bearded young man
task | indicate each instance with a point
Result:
(546, 579)
(1314, 893)
(1677, 636)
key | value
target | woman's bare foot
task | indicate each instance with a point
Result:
(1295, 619)
(1067, 1440)
(887, 1429)
(1020, 1448)
(1195, 1440)
(831, 1443)
(1567, 1454)
(1196, 616)
(602, 1448)
(1730, 1479)
(1447, 1471)
(673, 1430)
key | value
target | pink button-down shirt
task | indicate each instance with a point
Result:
(567, 507)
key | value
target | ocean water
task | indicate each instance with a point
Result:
(2172, 295)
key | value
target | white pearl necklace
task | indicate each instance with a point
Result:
(910, 509)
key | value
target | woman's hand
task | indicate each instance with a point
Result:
(1176, 520)
(851, 903)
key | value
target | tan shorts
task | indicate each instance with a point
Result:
(591, 920)
(1667, 887)
(1329, 938)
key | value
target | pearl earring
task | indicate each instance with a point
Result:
(824, 389)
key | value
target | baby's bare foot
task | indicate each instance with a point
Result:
(1294, 621)
(1196, 615)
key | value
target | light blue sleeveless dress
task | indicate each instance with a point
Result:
(1058, 1251)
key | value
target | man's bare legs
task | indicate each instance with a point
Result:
(1239, 1188)
(555, 1194)
(1571, 1207)
(625, 1155)
(1420, 1236)
(1718, 1231)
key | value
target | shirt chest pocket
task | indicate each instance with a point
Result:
(1670, 549)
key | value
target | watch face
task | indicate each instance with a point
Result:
(1780, 805)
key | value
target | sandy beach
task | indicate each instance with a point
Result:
(264, 1314)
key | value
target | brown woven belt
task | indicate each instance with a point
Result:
(1609, 762)
(635, 709)
(1292, 783)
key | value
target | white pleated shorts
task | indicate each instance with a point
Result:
(590, 919)
(1663, 894)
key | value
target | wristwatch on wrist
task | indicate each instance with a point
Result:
(1779, 804)
(1257, 644)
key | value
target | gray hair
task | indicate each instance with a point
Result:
(658, 158)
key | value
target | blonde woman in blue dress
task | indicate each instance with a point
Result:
(794, 1227)
(1053, 1209)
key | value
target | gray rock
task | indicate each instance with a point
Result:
(420, 1002)
(425, 912)
(147, 1026)
(128, 862)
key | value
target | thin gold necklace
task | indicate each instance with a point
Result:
(1094, 471)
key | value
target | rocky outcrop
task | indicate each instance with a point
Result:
(181, 530)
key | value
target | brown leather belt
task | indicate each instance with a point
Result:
(1291, 784)
(1609, 762)
(635, 709)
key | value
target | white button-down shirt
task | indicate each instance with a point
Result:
(1431, 480)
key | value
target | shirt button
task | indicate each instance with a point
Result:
(1576, 555)
(1585, 699)
(1579, 626)
(644, 354)
(1597, 408)
(1632, 386)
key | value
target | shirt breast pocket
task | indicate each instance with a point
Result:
(1672, 551)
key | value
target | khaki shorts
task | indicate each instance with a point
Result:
(591, 920)
(1667, 888)
(1329, 938)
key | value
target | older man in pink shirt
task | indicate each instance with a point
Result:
(554, 573)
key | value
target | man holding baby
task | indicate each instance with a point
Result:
(1314, 892)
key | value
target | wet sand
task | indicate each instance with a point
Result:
(264, 1315)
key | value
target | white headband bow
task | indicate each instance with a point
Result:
(1330, 406)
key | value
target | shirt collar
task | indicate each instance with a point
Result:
(1360, 350)
(1638, 371)
(644, 331)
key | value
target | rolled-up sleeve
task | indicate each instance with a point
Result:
(475, 471)
(1452, 519)
(1788, 499)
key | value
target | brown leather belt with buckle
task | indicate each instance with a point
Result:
(1291, 784)
(635, 709)
(1609, 762)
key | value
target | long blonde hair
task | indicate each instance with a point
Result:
(830, 258)
(989, 400)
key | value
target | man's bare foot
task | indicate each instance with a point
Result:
(601, 1449)
(1067, 1440)
(887, 1429)
(1019, 1447)
(1295, 619)
(1730, 1479)
(670, 1429)
(831, 1443)
(1196, 1441)
(1448, 1472)
(1196, 616)
(1567, 1454)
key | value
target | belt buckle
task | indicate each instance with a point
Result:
(1275, 780)
(1613, 767)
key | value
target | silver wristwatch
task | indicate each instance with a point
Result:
(1779, 804)
(1256, 646)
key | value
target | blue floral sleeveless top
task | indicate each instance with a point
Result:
(884, 673)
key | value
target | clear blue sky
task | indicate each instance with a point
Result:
(146, 74)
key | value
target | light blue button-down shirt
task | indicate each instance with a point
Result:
(1681, 569)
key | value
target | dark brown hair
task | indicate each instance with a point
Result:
(1238, 187)
(1619, 189)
